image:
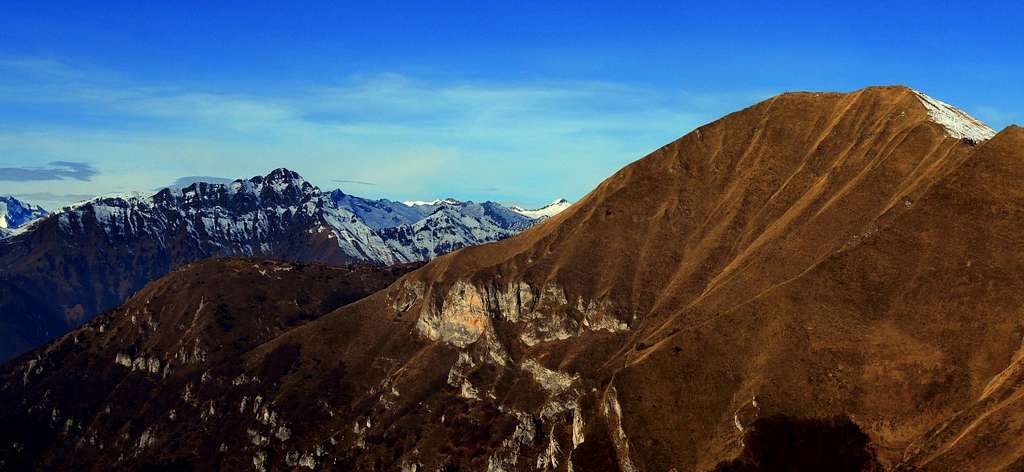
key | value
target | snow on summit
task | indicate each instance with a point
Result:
(958, 123)
(16, 215)
(434, 202)
(546, 211)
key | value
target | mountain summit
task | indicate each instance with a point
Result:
(958, 123)
(839, 269)
(546, 211)
(15, 214)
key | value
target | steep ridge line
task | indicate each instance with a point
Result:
(683, 274)
(810, 269)
(842, 193)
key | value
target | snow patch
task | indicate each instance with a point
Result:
(546, 211)
(438, 201)
(958, 124)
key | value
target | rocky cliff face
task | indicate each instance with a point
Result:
(842, 268)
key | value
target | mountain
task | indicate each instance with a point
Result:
(821, 281)
(91, 256)
(419, 231)
(453, 225)
(15, 214)
(546, 211)
(382, 213)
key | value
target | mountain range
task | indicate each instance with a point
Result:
(821, 281)
(89, 257)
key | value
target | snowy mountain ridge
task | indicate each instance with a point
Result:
(261, 215)
(957, 122)
(434, 202)
(546, 211)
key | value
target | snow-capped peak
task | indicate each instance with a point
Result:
(281, 178)
(958, 123)
(546, 211)
(14, 213)
(435, 202)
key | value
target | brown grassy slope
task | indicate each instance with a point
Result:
(720, 250)
(978, 310)
(901, 330)
(799, 174)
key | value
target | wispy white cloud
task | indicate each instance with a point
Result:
(356, 182)
(39, 68)
(56, 170)
(415, 138)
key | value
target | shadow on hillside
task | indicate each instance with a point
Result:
(783, 443)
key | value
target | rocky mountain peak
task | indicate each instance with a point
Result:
(15, 213)
(282, 178)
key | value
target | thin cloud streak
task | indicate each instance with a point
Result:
(416, 138)
(56, 170)
(357, 182)
(50, 200)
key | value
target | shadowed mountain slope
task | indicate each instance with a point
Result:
(122, 369)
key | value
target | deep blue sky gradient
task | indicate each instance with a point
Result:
(511, 101)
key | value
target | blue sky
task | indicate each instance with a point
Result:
(507, 101)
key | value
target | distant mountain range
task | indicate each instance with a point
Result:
(88, 257)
